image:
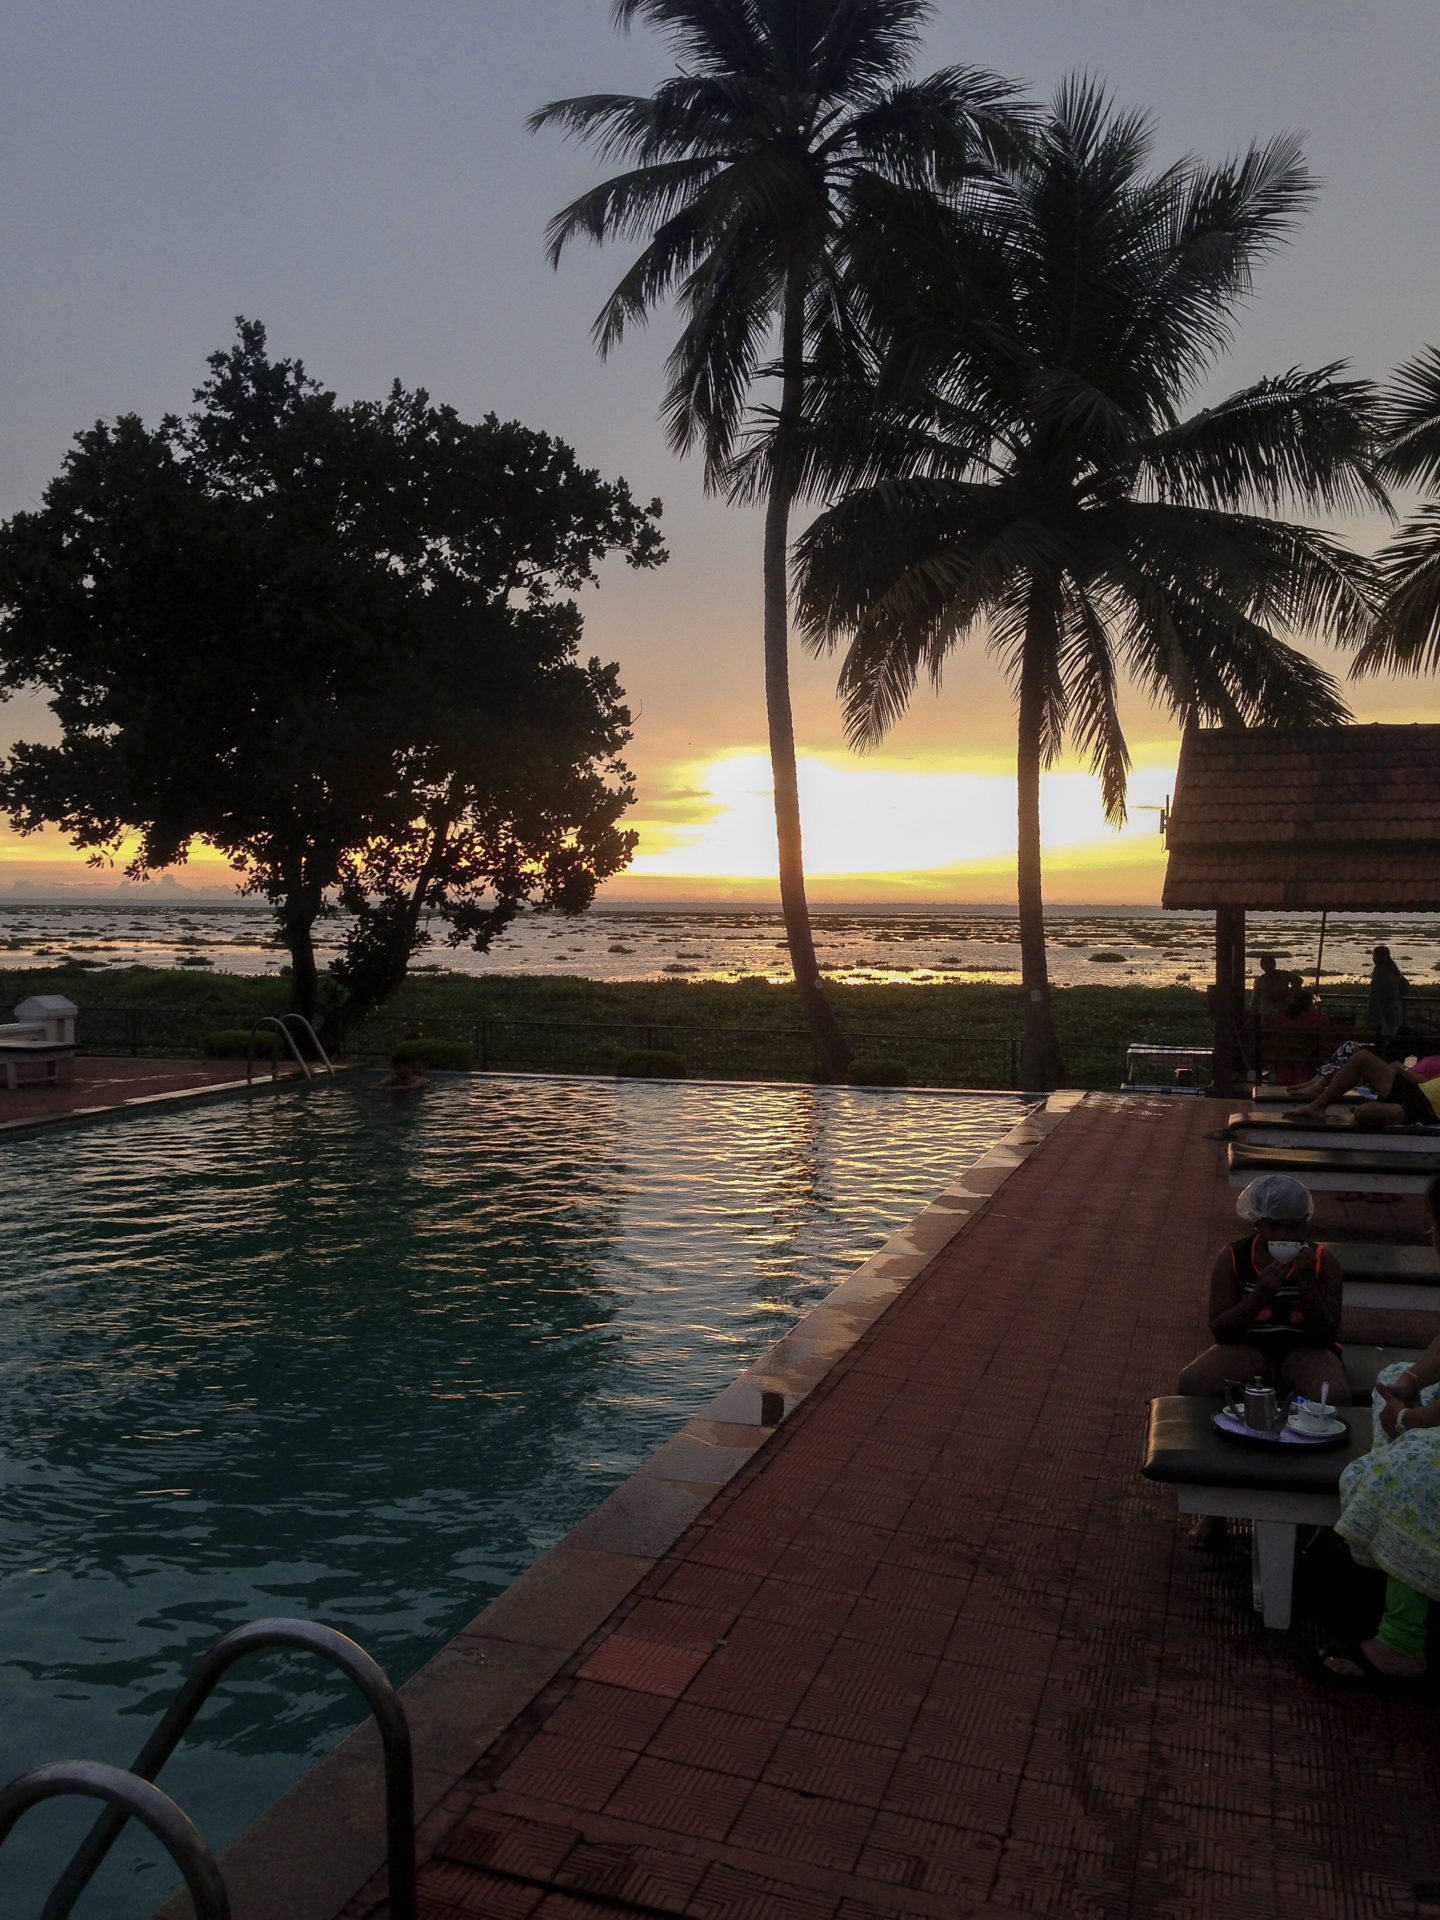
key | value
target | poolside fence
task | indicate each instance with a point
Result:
(499, 1044)
(979, 1057)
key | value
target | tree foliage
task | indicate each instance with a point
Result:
(1406, 638)
(1014, 461)
(337, 642)
(740, 174)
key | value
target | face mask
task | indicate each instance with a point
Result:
(1285, 1250)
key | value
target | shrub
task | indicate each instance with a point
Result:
(650, 1063)
(233, 1043)
(878, 1072)
(452, 1055)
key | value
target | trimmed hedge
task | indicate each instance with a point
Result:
(877, 1072)
(454, 1055)
(234, 1043)
(650, 1063)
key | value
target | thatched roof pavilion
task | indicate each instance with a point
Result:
(1339, 819)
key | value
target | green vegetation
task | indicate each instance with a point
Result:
(747, 174)
(943, 1035)
(236, 1043)
(1015, 456)
(871, 1071)
(650, 1063)
(446, 1055)
(338, 643)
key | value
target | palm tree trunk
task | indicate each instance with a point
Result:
(1041, 1066)
(834, 1050)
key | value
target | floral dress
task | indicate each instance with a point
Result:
(1390, 1500)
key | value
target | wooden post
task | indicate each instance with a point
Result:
(1228, 998)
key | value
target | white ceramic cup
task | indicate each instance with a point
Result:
(1312, 1417)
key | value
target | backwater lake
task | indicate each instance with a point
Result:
(1088, 946)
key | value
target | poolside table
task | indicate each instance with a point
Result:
(1275, 1487)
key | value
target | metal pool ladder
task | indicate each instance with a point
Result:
(281, 1023)
(134, 1793)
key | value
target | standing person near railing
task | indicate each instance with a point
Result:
(1385, 1008)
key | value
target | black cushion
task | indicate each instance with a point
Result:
(1185, 1447)
(1298, 1159)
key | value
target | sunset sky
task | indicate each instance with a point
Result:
(356, 174)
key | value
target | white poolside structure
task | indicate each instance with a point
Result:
(42, 1035)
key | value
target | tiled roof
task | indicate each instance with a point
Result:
(1344, 817)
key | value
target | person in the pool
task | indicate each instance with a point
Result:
(405, 1077)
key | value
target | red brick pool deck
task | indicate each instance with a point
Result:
(938, 1650)
(101, 1083)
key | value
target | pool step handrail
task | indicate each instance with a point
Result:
(326, 1644)
(129, 1798)
(281, 1023)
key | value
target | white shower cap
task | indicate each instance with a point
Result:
(1275, 1196)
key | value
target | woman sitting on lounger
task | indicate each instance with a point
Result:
(1400, 1099)
(1390, 1516)
(1274, 1301)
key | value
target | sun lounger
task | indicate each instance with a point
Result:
(1260, 1128)
(1275, 1488)
(1335, 1169)
(42, 1034)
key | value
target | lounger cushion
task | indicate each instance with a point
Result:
(1184, 1447)
(1302, 1160)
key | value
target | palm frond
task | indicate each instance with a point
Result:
(1406, 638)
(840, 48)
(730, 299)
(1293, 578)
(1087, 663)
(629, 205)
(1307, 438)
(671, 256)
(725, 33)
(938, 131)
(1412, 421)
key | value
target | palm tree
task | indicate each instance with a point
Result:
(1018, 463)
(1406, 638)
(742, 169)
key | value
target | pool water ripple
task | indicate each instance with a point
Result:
(364, 1359)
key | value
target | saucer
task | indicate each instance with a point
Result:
(1327, 1432)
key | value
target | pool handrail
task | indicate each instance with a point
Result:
(129, 1798)
(281, 1024)
(309, 1636)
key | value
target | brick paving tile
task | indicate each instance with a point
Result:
(793, 1605)
(830, 1768)
(938, 1651)
(797, 1826)
(729, 1893)
(524, 1848)
(615, 1716)
(710, 1737)
(642, 1666)
(574, 1773)
(672, 1797)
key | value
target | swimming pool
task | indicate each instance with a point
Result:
(364, 1359)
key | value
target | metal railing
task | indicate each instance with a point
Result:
(281, 1023)
(309, 1637)
(129, 1798)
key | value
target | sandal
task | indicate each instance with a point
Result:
(1369, 1678)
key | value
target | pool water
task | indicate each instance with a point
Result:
(363, 1359)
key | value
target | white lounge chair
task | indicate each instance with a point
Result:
(42, 1034)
